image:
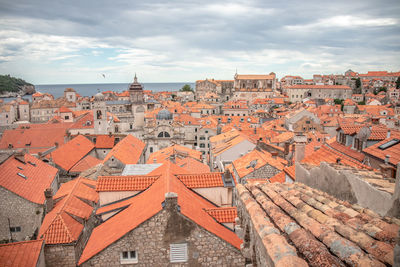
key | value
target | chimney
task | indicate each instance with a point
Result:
(219, 130)
(56, 144)
(172, 158)
(287, 146)
(154, 160)
(49, 203)
(388, 134)
(274, 154)
(171, 201)
(316, 148)
(300, 141)
(387, 158)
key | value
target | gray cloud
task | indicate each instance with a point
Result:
(202, 37)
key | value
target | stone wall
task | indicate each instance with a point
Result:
(348, 185)
(21, 212)
(60, 255)
(151, 241)
(266, 171)
(252, 248)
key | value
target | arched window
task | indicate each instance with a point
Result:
(164, 134)
(98, 114)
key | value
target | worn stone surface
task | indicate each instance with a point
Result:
(21, 212)
(151, 240)
(60, 255)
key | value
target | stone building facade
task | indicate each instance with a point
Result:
(67, 255)
(20, 218)
(297, 93)
(161, 232)
(224, 88)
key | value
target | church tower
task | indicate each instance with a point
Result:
(136, 92)
(101, 124)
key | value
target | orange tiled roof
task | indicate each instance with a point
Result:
(178, 150)
(192, 165)
(254, 76)
(40, 136)
(27, 177)
(278, 178)
(212, 179)
(326, 154)
(317, 227)
(393, 151)
(21, 254)
(72, 152)
(261, 158)
(59, 226)
(145, 205)
(312, 86)
(348, 151)
(223, 215)
(85, 164)
(105, 141)
(124, 183)
(128, 150)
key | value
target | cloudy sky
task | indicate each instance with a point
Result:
(57, 41)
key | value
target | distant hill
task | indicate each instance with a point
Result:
(11, 86)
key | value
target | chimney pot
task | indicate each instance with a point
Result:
(49, 203)
(171, 200)
(387, 158)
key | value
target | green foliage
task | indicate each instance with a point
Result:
(338, 101)
(358, 83)
(398, 83)
(361, 103)
(380, 89)
(186, 88)
(11, 84)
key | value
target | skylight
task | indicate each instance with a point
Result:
(389, 144)
(23, 176)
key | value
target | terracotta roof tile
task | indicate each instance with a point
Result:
(21, 254)
(203, 180)
(223, 215)
(105, 141)
(128, 150)
(326, 154)
(59, 226)
(321, 227)
(145, 205)
(27, 177)
(35, 136)
(279, 178)
(348, 151)
(69, 154)
(192, 165)
(261, 158)
(392, 151)
(124, 183)
(85, 164)
(179, 151)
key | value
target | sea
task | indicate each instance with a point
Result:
(57, 90)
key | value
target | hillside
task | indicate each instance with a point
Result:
(11, 86)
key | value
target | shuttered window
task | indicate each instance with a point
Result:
(178, 252)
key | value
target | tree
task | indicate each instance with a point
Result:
(398, 83)
(361, 103)
(186, 88)
(358, 83)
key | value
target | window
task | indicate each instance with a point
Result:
(151, 150)
(128, 257)
(389, 144)
(15, 229)
(178, 252)
(202, 145)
